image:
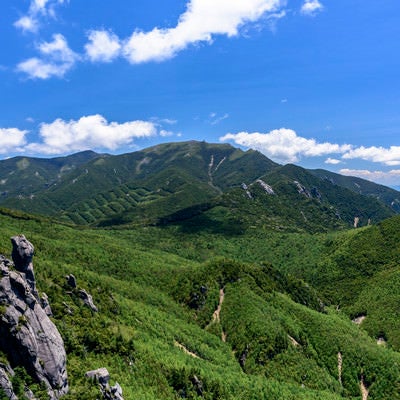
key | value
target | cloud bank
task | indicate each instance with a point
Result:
(283, 145)
(384, 177)
(388, 156)
(11, 139)
(89, 132)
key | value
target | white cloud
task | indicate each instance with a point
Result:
(11, 139)
(283, 145)
(27, 24)
(103, 46)
(332, 161)
(384, 177)
(57, 59)
(202, 20)
(37, 9)
(216, 120)
(165, 133)
(311, 7)
(387, 156)
(90, 132)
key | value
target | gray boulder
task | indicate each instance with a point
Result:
(102, 376)
(27, 335)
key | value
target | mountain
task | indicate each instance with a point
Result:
(202, 315)
(24, 176)
(389, 196)
(211, 186)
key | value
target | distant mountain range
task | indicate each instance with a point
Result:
(195, 184)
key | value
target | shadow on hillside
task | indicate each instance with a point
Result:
(204, 224)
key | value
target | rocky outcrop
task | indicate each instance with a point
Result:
(5, 382)
(83, 294)
(71, 281)
(268, 189)
(102, 376)
(27, 336)
(87, 299)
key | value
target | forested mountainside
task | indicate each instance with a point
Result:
(216, 184)
(179, 313)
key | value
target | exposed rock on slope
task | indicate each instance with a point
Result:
(27, 335)
(102, 376)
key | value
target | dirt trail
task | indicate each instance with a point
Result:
(364, 390)
(294, 342)
(340, 365)
(216, 315)
(217, 312)
(185, 350)
(223, 336)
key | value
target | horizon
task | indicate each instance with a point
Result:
(308, 82)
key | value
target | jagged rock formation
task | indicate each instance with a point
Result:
(27, 336)
(87, 299)
(5, 382)
(102, 376)
(83, 294)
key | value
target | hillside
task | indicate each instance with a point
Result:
(204, 315)
(197, 184)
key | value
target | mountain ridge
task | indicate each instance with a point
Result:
(161, 181)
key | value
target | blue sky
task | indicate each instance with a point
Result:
(312, 82)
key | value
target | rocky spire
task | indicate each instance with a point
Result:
(27, 336)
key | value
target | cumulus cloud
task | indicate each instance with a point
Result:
(387, 156)
(385, 177)
(89, 132)
(311, 7)
(56, 59)
(12, 139)
(37, 9)
(103, 46)
(284, 145)
(202, 20)
(332, 161)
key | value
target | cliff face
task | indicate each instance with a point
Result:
(27, 336)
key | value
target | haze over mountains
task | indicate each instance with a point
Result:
(180, 181)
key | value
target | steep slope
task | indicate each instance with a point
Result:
(164, 178)
(155, 331)
(287, 198)
(388, 196)
(197, 184)
(22, 177)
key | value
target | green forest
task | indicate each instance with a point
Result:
(260, 314)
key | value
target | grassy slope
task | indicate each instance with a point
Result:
(143, 282)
